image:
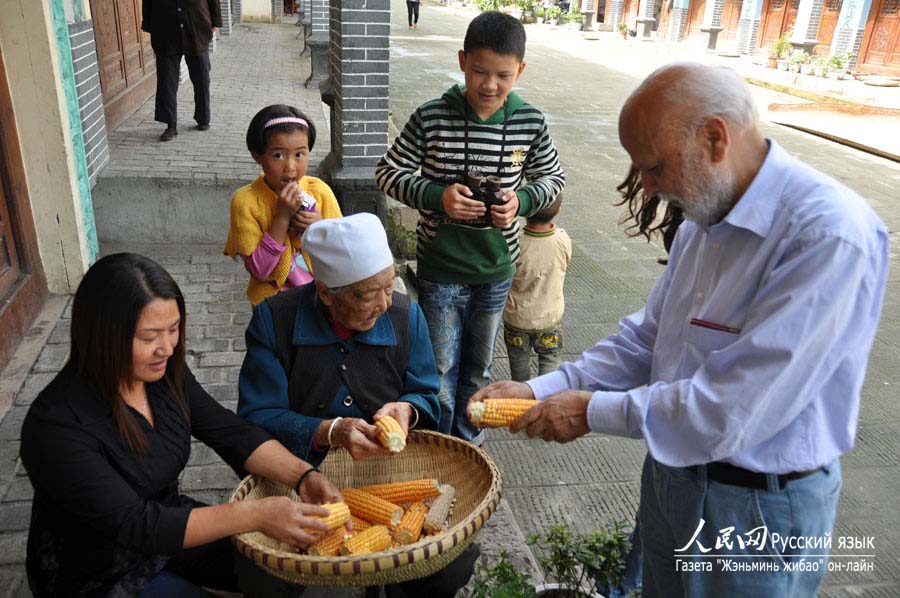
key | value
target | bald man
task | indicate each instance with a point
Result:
(743, 372)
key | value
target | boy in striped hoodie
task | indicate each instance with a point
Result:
(466, 252)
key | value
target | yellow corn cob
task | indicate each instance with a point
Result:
(338, 515)
(410, 527)
(371, 508)
(390, 434)
(329, 544)
(374, 539)
(497, 413)
(436, 518)
(359, 524)
(411, 491)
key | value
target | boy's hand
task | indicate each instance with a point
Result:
(504, 215)
(288, 202)
(456, 203)
(302, 219)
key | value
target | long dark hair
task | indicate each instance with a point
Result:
(105, 313)
(641, 209)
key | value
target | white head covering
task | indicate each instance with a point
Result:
(347, 250)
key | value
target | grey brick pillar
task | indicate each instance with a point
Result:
(225, 6)
(318, 42)
(645, 19)
(236, 11)
(357, 91)
(277, 10)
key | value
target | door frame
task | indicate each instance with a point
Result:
(22, 303)
(867, 41)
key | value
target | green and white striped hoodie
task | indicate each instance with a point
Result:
(514, 143)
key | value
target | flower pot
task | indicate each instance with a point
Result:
(794, 68)
(540, 20)
(781, 64)
(773, 62)
(806, 69)
(553, 21)
(624, 34)
(553, 590)
(575, 26)
(821, 71)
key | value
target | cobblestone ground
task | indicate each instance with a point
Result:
(587, 483)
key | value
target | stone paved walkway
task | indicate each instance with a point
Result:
(587, 483)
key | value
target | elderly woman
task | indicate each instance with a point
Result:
(105, 443)
(327, 359)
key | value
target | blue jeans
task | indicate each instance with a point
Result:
(675, 499)
(210, 565)
(463, 322)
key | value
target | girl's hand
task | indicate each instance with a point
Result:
(291, 522)
(358, 437)
(288, 202)
(318, 489)
(400, 411)
(302, 219)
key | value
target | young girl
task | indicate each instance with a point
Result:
(269, 215)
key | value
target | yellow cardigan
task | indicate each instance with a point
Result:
(252, 210)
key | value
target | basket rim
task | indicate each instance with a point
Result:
(328, 566)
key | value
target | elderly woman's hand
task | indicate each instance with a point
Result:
(358, 437)
(402, 412)
(318, 489)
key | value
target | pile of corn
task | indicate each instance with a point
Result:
(385, 516)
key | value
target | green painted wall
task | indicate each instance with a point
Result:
(67, 77)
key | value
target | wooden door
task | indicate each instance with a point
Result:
(830, 12)
(23, 286)
(881, 45)
(778, 18)
(630, 11)
(731, 17)
(126, 60)
(695, 18)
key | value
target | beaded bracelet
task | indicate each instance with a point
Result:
(303, 477)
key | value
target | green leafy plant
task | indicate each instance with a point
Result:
(800, 58)
(502, 580)
(574, 17)
(570, 558)
(554, 12)
(840, 61)
(526, 4)
(780, 47)
(487, 5)
(622, 27)
(539, 11)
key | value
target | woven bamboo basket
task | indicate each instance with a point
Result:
(427, 455)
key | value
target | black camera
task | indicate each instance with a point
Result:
(487, 191)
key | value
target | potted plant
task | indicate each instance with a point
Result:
(778, 52)
(553, 14)
(797, 59)
(527, 8)
(539, 14)
(574, 18)
(806, 63)
(574, 562)
(838, 65)
(623, 29)
(820, 66)
(502, 580)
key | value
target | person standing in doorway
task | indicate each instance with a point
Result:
(412, 11)
(181, 28)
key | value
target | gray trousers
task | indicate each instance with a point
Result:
(520, 344)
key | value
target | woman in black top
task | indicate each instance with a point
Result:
(105, 443)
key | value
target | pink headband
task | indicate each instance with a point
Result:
(285, 119)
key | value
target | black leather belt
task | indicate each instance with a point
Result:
(725, 473)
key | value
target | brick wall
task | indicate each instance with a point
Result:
(616, 11)
(277, 10)
(748, 34)
(90, 97)
(677, 20)
(320, 16)
(235, 11)
(225, 7)
(359, 67)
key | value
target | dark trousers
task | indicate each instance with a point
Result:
(185, 575)
(168, 67)
(412, 10)
(256, 583)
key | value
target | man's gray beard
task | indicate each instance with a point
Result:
(708, 192)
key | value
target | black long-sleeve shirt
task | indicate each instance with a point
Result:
(101, 511)
(180, 26)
